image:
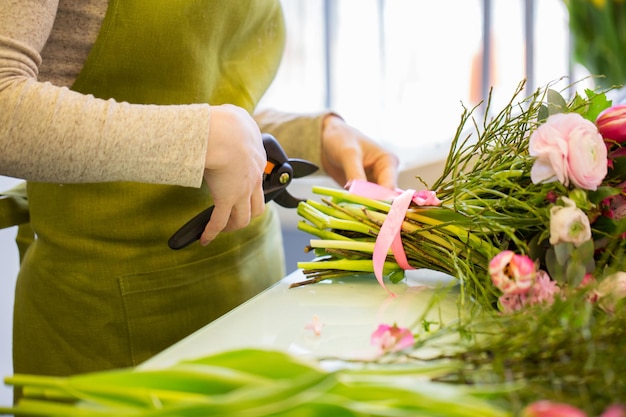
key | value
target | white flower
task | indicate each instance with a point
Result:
(568, 224)
(610, 290)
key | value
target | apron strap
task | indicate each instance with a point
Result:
(14, 212)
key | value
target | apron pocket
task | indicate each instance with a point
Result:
(162, 307)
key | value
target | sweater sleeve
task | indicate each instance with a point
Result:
(52, 134)
(300, 135)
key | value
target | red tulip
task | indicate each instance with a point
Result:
(612, 123)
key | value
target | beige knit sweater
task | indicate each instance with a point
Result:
(50, 133)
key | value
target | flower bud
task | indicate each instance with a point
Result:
(612, 123)
(580, 199)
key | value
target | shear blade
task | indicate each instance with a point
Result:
(302, 167)
(286, 200)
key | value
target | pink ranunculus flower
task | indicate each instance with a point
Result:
(546, 408)
(512, 273)
(611, 290)
(542, 291)
(568, 224)
(392, 338)
(611, 123)
(509, 303)
(568, 148)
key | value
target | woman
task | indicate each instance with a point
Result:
(115, 111)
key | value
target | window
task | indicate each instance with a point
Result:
(400, 70)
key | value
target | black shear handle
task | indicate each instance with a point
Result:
(191, 231)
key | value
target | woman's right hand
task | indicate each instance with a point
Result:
(234, 167)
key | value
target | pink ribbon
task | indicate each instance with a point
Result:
(389, 235)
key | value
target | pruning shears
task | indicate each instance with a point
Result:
(278, 173)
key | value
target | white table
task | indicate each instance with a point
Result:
(350, 309)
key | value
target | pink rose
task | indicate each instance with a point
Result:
(568, 148)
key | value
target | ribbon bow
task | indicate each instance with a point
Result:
(389, 234)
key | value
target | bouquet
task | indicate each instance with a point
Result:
(536, 188)
(530, 216)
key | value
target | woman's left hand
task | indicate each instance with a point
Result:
(347, 154)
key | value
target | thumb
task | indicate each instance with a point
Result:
(352, 166)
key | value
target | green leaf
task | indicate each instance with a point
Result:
(556, 102)
(396, 275)
(575, 273)
(601, 193)
(265, 363)
(585, 252)
(605, 225)
(542, 113)
(619, 168)
(597, 102)
(192, 378)
(563, 252)
(555, 270)
(620, 228)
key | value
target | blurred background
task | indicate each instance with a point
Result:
(402, 71)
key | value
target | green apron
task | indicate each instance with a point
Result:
(99, 288)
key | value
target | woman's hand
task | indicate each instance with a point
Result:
(348, 154)
(234, 167)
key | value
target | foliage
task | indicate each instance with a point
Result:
(248, 383)
(599, 38)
